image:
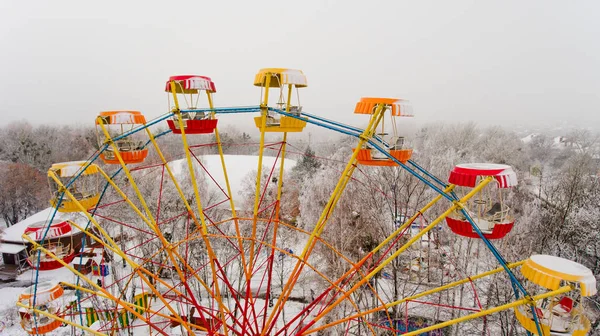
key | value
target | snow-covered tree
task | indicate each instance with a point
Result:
(307, 165)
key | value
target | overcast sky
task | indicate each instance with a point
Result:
(492, 62)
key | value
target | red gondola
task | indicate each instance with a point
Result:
(46, 262)
(53, 245)
(57, 228)
(188, 89)
(489, 211)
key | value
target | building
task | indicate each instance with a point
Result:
(91, 259)
(15, 249)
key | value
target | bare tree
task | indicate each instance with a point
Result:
(23, 191)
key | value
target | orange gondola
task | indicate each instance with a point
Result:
(45, 295)
(118, 124)
(392, 143)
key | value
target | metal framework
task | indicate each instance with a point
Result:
(201, 294)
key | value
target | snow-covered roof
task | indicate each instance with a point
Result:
(80, 261)
(13, 234)
(84, 260)
(530, 137)
(93, 249)
(97, 325)
(238, 167)
(560, 141)
(11, 248)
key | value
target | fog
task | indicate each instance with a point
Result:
(505, 62)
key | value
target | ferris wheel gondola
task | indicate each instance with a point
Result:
(65, 253)
(57, 234)
(489, 210)
(84, 188)
(119, 124)
(57, 228)
(42, 297)
(562, 314)
(187, 88)
(286, 80)
(392, 143)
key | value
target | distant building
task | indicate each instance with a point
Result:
(529, 137)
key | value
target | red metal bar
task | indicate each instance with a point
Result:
(173, 218)
(210, 144)
(235, 247)
(147, 167)
(187, 242)
(269, 270)
(347, 327)
(305, 310)
(216, 204)
(266, 208)
(109, 204)
(391, 246)
(124, 224)
(209, 175)
(140, 244)
(356, 267)
(234, 293)
(265, 234)
(270, 175)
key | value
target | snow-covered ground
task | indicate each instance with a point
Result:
(238, 167)
(8, 310)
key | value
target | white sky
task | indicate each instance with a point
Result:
(493, 62)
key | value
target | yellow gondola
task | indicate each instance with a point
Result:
(84, 188)
(559, 315)
(280, 78)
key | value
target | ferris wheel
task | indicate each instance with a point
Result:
(169, 249)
